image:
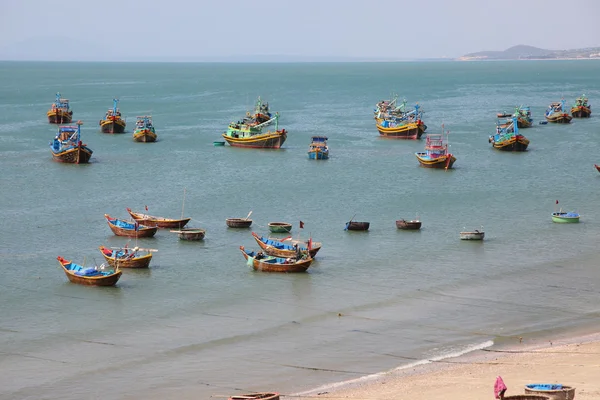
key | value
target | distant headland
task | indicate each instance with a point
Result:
(523, 52)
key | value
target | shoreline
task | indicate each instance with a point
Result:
(569, 361)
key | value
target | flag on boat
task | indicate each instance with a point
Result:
(556, 201)
(301, 225)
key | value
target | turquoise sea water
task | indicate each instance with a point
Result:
(199, 322)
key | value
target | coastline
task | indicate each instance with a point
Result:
(571, 361)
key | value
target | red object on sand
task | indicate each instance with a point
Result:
(499, 388)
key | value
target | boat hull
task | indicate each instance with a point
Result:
(269, 140)
(107, 280)
(144, 136)
(59, 116)
(285, 253)
(597, 167)
(413, 130)
(515, 143)
(142, 261)
(238, 222)
(559, 118)
(443, 162)
(141, 232)
(581, 112)
(318, 155)
(408, 225)
(259, 265)
(524, 123)
(190, 234)
(110, 126)
(80, 154)
(280, 227)
(472, 235)
(149, 220)
(563, 219)
(357, 226)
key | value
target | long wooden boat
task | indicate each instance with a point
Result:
(92, 276)
(436, 154)
(408, 225)
(67, 146)
(190, 233)
(129, 229)
(59, 112)
(238, 222)
(241, 134)
(113, 122)
(256, 396)
(280, 227)
(473, 235)
(318, 149)
(357, 226)
(275, 264)
(389, 128)
(523, 115)
(581, 109)
(144, 130)
(260, 115)
(565, 217)
(278, 248)
(161, 222)
(556, 114)
(507, 138)
(126, 258)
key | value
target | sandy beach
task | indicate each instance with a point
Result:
(574, 363)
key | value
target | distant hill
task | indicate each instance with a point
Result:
(523, 52)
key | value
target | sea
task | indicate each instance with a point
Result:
(199, 323)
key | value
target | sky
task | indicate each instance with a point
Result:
(272, 30)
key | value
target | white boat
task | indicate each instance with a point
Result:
(473, 235)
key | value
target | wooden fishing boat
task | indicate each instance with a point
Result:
(144, 130)
(113, 122)
(357, 226)
(504, 115)
(124, 257)
(92, 276)
(401, 124)
(555, 113)
(436, 153)
(161, 222)
(260, 115)
(523, 115)
(472, 235)
(252, 136)
(59, 112)
(275, 264)
(256, 396)
(408, 225)
(67, 146)
(581, 109)
(190, 233)
(129, 229)
(278, 248)
(318, 149)
(565, 217)
(280, 227)
(507, 138)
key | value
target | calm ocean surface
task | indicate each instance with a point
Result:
(199, 322)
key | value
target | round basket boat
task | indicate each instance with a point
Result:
(190, 233)
(238, 222)
(550, 392)
(280, 227)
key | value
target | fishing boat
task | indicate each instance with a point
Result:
(581, 109)
(436, 153)
(507, 137)
(67, 146)
(59, 112)
(280, 227)
(238, 222)
(523, 115)
(357, 226)
(565, 217)
(408, 125)
(129, 229)
(318, 149)
(252, 136)
(144, 130)
(555, 113)
(161, 222)
(113, 122)
(92, 276)
(408, 225)
(260, 115)
(256, 396)
(278, 247)
(268, 263)
(190, 233)
(124, 257)
(472, 235)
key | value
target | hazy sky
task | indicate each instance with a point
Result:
(311, 29)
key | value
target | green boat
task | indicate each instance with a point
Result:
(280, 227)
(565, 217)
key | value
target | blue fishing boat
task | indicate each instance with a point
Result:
(67, 146)
(436, 153)
(59, 112)
(523, 115)
(318, 149)
(556, 113)
(507, 137)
